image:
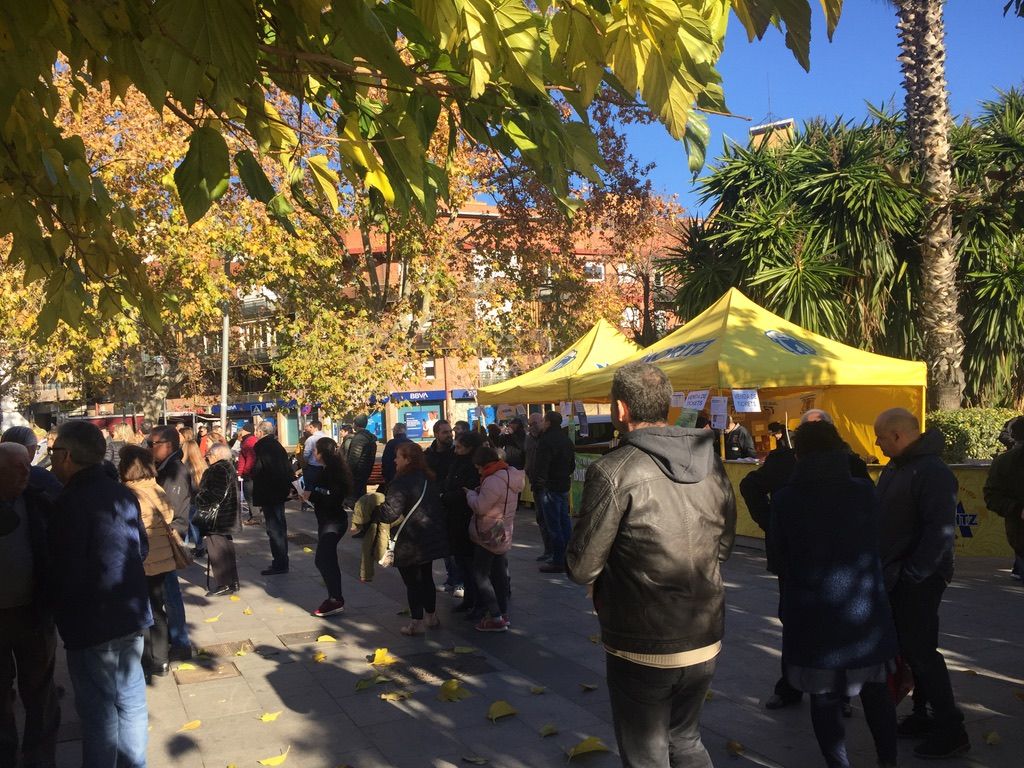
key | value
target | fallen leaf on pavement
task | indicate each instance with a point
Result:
(381, 657)
(247, 611)
(307, 550)
(474, 760)
(452, 690)
(537, 690)
(588, 687)
(235, 599)
(403, 612)
(709, 696)
(369, 682)
(595, 639)
(278, 760)
(734, 748)
(498, 709)
(396, 695)
(589, 744)
(548, 730)
(992, 738)
(191, 725)
(184, 667)
(269, 717)
(319, 657)
(213, 618)
(326, 639)
(464, 649)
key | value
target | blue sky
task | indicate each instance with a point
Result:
(762, 79)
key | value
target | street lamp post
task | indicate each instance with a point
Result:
(225, 336)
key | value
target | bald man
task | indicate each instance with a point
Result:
(28, 641)
(918, 496)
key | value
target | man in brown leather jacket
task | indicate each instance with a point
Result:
(657, 518)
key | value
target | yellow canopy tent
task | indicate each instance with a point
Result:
(737, 344)
(553, 381)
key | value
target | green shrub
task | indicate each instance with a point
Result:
(970, 433)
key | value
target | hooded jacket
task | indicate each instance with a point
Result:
(156, 511)
(918, 495)
(494, 506)
(658, 516)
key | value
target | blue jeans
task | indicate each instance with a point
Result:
(556, 515)
(110, 697)
(277, 532)
(177, 628)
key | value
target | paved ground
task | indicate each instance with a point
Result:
(326, 722)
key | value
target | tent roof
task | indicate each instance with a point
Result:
(551, 382)
(736, 343)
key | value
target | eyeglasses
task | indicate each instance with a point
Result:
(159, 442)
(51, 451)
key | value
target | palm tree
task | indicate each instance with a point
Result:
(923, 59)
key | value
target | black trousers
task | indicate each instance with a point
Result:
(419, 588)
(221, 551)
(326, 558)
(657, 713)
(28, 644)
(490, 578)
(469, 596)
(155, 648)
(915, 610)
(879, 711)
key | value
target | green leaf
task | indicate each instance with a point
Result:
(255, 180)
(202, 176)
(325, 179)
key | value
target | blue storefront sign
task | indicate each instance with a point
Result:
(463, 394)
(421, 396)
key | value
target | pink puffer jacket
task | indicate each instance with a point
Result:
(494, 506)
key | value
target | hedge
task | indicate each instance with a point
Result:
(970, 433)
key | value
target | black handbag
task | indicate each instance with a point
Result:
(205, 518)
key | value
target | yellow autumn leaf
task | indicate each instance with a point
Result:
(278, 760)
(191, 725)
(464, 649)
(452, 690)
(548, 730)
(307, 550)
(474, 760)
(319, 657)
(588, 687)
(247, 611)
(381, 657)
(234, 598)
(589, 744)
(734, 748)
(369, 682)
(269, 717)
(184, 667)
(708, 696)
(595, 639)
(992, 738)
(213, 618)
(499, 709)
(537, 690)
(396, 695)
(326, 639)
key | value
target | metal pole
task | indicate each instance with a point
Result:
(224, 338)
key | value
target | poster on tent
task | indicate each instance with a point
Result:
(678, 400)
(719, 412)
(696, 400)
(581, 418)
(746, 401)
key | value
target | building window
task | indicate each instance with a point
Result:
(593, 272)
(430, 369)
(625, 274)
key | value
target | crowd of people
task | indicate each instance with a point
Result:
(861, 568)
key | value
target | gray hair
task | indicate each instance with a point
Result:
(84, 442)
(646, 391)
(815, 414)
(267, 428)
(219, 451)
(20, 435)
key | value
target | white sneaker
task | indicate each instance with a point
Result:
(459, 592)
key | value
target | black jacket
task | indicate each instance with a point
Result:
(387, 459)
(824, 541)
(657, 518)
(425, 537)
(362, 452)
(918, 494)
(514, 445)
(461, 475)
(271, 473)
(176, 480)
(554, 463)
(1004, 493)
(739, 444)
(439, 459)
(328, 497)
(219, 488)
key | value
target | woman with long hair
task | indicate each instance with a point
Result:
(217, 512)
(422, 537)
(195, 463)
(494, 507)
(328, 496)
(138, 471)
(838, 637)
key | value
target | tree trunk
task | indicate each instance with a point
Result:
(923, 58)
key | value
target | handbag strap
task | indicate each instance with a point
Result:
(414, 508)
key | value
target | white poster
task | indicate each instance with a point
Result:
(719, 421)
(746, 401)
(696, 400)
(577, 406)
(678, 400)
(719, 406)
(520, 410)
(584, 430)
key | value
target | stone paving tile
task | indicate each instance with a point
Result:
(326, 722)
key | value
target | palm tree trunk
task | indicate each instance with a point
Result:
(923, 58)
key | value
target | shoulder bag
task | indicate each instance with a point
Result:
(388, 560)
(494, 538)
(182, 557)
(205, 519)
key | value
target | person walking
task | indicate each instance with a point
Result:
(271, 485)
(101, 601)
(918, 494)
(657, 517)
(494, 507)
(553, 467)
(422, 537)
(217, 514)
(328, 500)
(28, 640)
(138, 473)
(1004, 494)
(838, 637)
